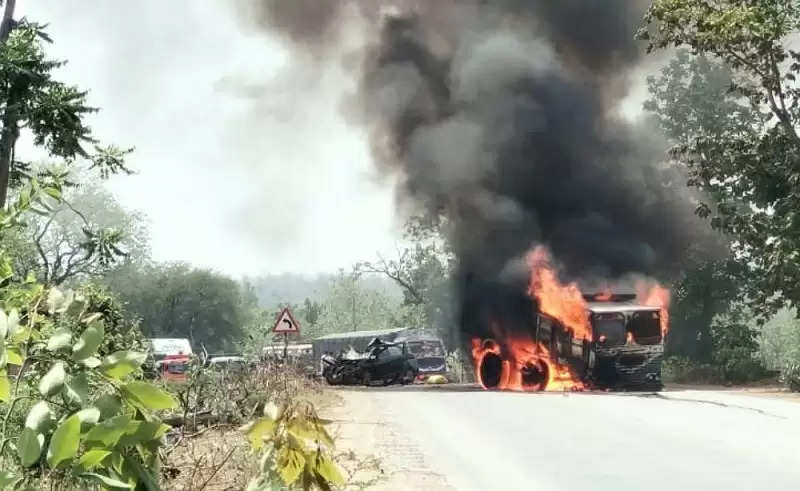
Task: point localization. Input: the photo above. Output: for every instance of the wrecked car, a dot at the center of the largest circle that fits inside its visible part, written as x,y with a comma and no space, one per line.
382,363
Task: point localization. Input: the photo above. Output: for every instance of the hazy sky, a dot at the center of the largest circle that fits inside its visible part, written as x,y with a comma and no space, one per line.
242,167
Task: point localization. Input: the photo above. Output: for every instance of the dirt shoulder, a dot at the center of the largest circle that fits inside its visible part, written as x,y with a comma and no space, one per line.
377,453
767,391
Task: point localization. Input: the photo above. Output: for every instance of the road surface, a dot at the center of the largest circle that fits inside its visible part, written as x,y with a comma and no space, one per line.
441,438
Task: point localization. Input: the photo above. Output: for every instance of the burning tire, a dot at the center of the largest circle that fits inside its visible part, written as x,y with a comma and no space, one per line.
535,375
491,370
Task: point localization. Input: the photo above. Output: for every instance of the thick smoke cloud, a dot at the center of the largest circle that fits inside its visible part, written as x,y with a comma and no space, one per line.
501,116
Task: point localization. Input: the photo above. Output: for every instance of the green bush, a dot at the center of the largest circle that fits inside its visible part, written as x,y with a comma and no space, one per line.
736,347
682,370
790,376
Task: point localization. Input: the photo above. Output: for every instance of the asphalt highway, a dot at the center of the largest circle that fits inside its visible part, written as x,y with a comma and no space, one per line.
687,440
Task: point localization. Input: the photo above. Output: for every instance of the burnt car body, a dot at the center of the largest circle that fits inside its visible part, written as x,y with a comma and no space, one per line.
383,363
428,350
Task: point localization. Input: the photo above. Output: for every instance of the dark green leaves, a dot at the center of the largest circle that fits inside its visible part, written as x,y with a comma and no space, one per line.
76,390
29,447
60,339
89,341
148,396
107,481
122,363
53,380
65,441
109,432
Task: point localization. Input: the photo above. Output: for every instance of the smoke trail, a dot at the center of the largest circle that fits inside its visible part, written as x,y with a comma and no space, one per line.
501,116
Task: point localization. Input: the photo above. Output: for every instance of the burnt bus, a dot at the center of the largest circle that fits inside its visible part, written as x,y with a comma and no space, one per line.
626,351
628,345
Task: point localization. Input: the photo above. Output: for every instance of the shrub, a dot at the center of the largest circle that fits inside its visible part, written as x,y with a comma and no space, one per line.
736,347
295,449
87,417
682,370
790,376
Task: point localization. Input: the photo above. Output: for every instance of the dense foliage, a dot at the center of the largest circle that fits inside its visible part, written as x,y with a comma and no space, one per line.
740,144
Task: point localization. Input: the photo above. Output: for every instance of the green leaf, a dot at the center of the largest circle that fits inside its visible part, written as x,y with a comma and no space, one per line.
148,396
14,357
92,459
53,192
8,480
3,356
290,464
142,431
89,341
109,405
13,321
5,386
65,441
76,390
60,339
29,447
146,478
53,380
107,481
3,325
109,432
328,469
88,417
40,417
257,430
122,363
303,429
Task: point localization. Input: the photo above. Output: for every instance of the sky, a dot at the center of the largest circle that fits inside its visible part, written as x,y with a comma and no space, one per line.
244,164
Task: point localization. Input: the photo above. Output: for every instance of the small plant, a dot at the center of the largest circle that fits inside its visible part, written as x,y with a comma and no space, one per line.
295,449
88,418
790,376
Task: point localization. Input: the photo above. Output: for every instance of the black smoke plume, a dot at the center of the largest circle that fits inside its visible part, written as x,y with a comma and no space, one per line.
502,116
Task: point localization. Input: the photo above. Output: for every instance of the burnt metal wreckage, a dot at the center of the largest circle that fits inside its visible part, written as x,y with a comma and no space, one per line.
625,353
382,363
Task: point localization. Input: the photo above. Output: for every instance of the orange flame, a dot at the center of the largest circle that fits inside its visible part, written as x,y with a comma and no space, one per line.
525,366
564,302
655,295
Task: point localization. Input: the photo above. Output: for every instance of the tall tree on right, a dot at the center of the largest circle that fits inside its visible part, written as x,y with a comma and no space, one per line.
748,160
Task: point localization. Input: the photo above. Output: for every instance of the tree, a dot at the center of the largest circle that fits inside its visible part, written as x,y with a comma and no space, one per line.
63,238
349,306
747,156
422,270
175,300
690,97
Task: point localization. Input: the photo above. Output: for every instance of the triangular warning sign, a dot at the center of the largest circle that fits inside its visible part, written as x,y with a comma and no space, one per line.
286,323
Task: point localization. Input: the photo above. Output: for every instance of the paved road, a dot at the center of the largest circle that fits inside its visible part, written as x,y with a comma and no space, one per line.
689,440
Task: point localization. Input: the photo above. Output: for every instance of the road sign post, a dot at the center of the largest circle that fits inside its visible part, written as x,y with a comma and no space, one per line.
285,324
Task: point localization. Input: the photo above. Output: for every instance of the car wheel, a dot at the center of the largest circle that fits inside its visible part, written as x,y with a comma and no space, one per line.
366,379
409,377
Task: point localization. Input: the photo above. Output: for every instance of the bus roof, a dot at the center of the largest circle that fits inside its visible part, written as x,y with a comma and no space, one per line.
360,334
611,307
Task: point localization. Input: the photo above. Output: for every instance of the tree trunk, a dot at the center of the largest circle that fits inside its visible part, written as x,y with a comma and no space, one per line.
10,130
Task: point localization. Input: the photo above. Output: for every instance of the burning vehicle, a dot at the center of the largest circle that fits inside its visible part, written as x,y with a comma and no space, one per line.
574,341
629,345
